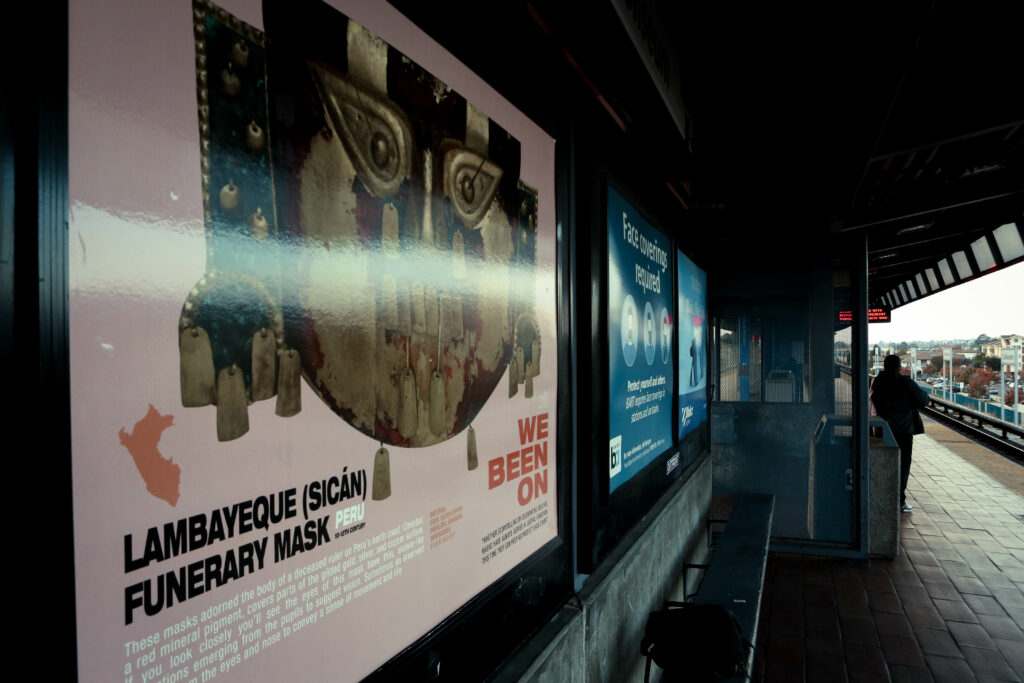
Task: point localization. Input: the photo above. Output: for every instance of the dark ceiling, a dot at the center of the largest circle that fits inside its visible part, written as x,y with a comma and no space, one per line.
901,121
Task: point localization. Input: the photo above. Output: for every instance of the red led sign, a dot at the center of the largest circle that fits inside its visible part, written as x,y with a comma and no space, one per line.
876,314
879,314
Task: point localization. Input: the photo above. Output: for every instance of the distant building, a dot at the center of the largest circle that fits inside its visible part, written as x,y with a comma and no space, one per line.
992,348
960,354
1008,341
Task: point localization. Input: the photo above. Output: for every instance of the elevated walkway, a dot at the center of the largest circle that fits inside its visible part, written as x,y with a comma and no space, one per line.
950,607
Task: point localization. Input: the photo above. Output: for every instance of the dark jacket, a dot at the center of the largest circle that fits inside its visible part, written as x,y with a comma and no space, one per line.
898,402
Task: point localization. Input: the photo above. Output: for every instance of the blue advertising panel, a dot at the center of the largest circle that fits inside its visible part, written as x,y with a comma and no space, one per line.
693,337
640,322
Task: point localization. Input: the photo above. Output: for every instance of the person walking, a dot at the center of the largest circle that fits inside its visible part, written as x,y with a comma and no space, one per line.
898,400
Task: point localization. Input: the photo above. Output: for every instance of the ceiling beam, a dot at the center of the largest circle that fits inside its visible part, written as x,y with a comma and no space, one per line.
920,212
1011,128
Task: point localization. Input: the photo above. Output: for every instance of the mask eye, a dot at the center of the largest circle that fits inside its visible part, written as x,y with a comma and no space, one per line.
375,133
470,181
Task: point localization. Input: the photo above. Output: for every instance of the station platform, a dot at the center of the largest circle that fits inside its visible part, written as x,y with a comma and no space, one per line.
949,607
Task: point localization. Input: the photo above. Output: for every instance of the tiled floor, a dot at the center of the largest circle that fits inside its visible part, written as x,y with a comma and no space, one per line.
950,607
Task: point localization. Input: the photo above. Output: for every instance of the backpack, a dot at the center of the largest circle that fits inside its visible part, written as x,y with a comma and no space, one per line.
700,642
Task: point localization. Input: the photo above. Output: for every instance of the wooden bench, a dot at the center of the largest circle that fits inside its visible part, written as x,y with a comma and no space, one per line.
734,576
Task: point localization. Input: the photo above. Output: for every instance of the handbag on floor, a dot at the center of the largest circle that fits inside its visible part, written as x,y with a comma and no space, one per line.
694,643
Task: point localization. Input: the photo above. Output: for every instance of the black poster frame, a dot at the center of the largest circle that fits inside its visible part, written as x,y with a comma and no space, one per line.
606,516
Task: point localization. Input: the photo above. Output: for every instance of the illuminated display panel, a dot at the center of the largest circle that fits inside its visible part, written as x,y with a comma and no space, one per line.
876,314
640,336
879,314
693,345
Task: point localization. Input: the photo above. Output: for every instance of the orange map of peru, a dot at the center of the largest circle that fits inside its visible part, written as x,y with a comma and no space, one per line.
161,475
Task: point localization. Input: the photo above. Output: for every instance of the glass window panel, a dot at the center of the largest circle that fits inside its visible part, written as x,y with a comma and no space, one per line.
752,374
714,362
842,351
1008,241
785,361
983,254
763,359
945,272
920,284
910,289
932,280
963,268
728,360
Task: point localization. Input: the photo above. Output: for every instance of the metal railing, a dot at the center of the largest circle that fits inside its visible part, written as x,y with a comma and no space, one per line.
996,414
1008,437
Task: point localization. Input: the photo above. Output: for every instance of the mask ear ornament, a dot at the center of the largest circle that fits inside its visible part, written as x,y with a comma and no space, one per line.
289,395
402,307
389,232
408,409
444,300
457,329
513,377
232,404
438,410
431,319
458,256
437,403
264,364
198,387
472,461
381,474
419,309
388,303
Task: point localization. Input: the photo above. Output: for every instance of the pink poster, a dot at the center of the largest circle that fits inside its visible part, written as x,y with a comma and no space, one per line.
313,353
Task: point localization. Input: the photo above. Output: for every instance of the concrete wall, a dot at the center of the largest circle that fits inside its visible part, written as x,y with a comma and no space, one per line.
596,638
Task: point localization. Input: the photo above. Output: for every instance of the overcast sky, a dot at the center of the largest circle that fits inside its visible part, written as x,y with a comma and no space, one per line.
992,305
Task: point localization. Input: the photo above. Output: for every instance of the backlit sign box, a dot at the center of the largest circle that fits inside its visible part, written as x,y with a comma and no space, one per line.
641,327
327,425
